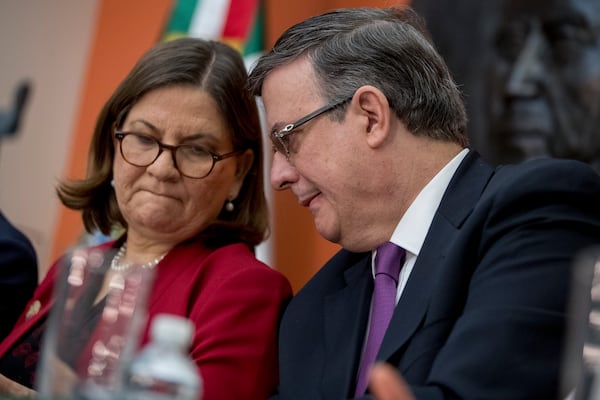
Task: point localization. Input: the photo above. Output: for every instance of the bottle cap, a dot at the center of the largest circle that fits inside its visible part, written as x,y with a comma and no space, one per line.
169,328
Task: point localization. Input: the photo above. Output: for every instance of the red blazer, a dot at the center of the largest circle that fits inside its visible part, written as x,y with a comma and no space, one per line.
234,300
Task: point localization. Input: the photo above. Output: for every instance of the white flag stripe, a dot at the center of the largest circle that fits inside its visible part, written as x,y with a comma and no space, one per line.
209,19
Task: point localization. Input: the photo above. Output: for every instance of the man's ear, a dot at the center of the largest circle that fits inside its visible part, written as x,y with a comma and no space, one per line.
373,104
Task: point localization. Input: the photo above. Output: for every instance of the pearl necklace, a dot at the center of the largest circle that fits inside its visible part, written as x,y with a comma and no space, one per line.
116,265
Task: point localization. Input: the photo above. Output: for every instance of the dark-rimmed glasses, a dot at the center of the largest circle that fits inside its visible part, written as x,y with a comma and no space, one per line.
281,139
190,160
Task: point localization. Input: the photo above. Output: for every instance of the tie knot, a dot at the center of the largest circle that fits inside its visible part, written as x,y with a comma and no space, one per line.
388,260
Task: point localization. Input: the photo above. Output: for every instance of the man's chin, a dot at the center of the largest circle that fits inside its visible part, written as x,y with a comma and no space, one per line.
326,231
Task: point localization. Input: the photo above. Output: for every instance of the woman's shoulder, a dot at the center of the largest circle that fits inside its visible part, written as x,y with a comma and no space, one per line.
230,253
228,259
231,265
241,258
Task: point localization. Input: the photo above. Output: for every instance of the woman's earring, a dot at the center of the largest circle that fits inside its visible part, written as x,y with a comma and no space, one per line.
229,206
112,183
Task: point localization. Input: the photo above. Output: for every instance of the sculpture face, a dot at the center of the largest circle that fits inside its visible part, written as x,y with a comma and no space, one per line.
546,81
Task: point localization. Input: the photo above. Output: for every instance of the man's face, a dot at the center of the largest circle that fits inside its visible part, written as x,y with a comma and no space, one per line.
546,80
328,168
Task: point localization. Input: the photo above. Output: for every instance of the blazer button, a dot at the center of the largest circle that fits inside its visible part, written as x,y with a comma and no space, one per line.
34,308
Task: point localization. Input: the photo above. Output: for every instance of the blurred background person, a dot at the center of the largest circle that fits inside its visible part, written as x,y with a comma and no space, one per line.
18,259
18,273
175,164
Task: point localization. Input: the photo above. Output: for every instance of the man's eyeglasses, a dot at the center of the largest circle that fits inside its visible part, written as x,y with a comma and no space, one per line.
190,160
281,139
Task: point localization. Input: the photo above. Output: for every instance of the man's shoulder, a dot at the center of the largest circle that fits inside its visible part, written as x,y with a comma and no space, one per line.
340,269
548,166
550,173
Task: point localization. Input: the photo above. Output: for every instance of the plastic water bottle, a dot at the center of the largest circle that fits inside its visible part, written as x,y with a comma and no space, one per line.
163,370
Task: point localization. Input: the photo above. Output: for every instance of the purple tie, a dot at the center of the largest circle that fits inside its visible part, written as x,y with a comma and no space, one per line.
388,260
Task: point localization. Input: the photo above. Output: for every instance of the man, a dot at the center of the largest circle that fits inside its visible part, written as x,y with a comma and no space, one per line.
369,132
546,81
18,274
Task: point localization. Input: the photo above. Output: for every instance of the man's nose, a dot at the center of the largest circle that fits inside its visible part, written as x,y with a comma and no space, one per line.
527,70
283,172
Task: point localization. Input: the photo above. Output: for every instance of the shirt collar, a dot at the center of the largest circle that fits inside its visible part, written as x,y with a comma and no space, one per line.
412,229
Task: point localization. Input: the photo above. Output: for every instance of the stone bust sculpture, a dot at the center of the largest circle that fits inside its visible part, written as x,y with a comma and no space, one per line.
545,81
530,72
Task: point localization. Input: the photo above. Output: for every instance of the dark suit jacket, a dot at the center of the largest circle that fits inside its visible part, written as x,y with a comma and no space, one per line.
483,313
18,274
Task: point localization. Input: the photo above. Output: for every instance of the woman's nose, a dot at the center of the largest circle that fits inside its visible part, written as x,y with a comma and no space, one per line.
164,165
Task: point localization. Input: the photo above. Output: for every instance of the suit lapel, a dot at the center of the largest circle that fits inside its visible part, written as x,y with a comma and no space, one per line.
345,316
462,194
413,303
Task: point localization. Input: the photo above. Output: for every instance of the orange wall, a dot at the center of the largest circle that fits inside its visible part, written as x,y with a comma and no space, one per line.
124,30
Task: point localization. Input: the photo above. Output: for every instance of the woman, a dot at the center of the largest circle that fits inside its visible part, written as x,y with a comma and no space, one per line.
176,162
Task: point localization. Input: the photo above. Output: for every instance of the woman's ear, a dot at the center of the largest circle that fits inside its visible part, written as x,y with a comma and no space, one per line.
373,104
244,163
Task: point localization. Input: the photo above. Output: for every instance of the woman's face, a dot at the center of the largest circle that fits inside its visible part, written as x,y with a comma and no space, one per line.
159,203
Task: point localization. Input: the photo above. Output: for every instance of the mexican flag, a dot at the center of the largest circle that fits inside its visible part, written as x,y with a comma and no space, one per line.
235,22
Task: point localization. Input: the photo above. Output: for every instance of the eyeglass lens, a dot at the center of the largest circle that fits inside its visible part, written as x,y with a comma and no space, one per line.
280,139
142,150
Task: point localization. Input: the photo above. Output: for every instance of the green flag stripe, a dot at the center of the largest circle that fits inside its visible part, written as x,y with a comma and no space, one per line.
255,41
181,16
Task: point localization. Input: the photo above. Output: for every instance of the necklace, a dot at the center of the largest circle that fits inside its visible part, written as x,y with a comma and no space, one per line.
116,265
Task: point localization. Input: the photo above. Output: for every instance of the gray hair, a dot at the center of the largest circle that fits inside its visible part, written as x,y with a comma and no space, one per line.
386,48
